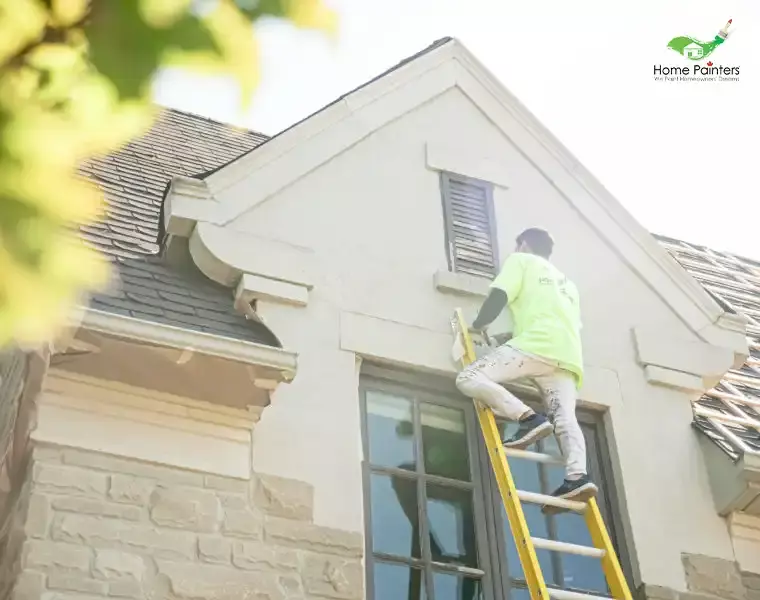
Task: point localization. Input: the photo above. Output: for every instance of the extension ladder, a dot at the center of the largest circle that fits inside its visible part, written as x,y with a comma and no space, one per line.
513,498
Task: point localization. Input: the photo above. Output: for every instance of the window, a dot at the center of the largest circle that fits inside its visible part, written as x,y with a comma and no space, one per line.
470,225
436,526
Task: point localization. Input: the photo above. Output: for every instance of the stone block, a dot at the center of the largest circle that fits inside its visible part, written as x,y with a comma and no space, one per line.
307,536
207,582
287,498
656,592
185,508
112,464
87,506
215,550
46,453
43,556
130,489
226,484
95,532
235,501
70,480
29,585
751,581
242,523
713,576
38,516
115,565
74,583
333,577
126,589
256,556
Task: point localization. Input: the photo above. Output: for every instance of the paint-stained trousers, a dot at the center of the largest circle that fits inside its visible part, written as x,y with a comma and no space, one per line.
481,380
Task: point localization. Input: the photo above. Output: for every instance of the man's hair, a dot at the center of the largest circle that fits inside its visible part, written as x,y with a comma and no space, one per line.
538,240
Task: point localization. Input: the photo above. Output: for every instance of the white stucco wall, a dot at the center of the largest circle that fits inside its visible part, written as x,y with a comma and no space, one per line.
373,218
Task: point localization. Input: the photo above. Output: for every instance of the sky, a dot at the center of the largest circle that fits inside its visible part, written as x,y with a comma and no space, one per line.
681,157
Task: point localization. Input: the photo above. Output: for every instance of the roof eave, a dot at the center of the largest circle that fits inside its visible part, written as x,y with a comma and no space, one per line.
284,362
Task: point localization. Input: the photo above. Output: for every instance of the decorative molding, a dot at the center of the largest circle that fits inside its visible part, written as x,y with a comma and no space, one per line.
444,156
674,379
461,284
188,200
254,287
223,255
84,412
656,348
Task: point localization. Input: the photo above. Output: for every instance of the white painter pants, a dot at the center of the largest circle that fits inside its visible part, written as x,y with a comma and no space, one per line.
481,381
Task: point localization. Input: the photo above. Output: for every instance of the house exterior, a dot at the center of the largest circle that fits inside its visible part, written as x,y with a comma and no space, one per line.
263,404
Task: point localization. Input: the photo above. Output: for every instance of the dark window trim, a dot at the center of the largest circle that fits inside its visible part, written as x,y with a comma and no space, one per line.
481,509
489,533
446,177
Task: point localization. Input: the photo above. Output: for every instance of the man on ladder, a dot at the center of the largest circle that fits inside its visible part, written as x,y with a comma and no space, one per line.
545,347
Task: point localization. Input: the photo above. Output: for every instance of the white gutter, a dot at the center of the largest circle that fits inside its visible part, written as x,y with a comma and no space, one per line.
187,339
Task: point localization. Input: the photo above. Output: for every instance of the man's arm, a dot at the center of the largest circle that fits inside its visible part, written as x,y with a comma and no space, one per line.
505,288
491,309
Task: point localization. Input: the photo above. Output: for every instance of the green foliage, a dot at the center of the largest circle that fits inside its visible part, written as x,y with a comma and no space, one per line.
75,80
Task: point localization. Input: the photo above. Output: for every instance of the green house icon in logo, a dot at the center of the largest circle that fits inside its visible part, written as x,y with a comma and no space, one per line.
694,49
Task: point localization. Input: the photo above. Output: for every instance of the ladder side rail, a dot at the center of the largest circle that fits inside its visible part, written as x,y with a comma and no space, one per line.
515,515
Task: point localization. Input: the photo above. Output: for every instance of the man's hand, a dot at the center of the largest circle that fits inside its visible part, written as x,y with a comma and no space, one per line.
502,338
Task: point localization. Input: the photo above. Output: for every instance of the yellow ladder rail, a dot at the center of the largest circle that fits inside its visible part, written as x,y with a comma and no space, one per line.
513,498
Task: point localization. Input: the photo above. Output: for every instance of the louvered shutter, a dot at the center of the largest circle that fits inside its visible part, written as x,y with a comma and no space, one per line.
470,225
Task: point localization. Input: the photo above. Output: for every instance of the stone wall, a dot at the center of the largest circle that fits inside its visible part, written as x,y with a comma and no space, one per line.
101,527
708,578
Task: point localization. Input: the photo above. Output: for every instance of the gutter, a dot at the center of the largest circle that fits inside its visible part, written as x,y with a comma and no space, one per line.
139,330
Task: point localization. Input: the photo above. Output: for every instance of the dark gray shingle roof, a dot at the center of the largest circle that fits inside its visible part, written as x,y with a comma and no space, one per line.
729,414
133,180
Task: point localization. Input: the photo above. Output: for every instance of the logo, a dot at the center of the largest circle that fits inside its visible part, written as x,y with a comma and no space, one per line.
694,50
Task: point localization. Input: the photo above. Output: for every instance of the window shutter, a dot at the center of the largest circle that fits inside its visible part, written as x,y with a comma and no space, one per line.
470,225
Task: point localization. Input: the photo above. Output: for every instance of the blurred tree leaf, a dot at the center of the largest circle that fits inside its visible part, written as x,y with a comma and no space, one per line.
75,79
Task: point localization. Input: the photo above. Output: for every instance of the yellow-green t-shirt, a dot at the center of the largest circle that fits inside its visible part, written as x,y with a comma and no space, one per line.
545,309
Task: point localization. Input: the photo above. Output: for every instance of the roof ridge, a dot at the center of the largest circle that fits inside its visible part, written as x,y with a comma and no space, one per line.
170,109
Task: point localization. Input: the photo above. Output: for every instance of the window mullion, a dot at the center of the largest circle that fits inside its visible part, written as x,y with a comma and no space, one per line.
422,501
489,544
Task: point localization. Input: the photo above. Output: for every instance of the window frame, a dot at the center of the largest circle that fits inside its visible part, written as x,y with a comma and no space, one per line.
445,184
483,540
487,506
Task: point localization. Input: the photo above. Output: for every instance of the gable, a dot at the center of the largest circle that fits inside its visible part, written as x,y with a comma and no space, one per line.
448,71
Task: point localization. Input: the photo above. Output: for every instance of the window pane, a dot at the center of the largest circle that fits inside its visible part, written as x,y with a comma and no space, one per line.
444,442
391,433
395,524
518,593
454,587
555,474
580,572
398,582
537,527
451,525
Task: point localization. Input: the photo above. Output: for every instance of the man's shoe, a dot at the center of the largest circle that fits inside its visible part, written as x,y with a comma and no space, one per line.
580,489
533,428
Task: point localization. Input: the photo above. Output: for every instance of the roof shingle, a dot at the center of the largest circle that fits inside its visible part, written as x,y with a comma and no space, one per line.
729,414
133,180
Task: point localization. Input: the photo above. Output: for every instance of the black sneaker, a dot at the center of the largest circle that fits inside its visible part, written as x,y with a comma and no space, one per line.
533,428
577,489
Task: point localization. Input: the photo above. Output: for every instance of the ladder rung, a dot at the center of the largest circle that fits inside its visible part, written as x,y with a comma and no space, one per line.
556,546
548,459
543,499
568,595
